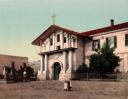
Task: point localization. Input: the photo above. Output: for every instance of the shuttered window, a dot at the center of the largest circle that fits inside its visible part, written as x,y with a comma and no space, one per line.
51,41
95,45
64,39
58,38
126,39
112,41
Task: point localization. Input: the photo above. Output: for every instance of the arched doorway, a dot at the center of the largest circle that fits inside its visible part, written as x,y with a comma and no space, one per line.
57,69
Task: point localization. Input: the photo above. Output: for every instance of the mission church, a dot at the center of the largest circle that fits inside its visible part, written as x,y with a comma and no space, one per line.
63,50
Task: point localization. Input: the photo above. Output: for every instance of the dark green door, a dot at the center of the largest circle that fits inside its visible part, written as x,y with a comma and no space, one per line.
56,71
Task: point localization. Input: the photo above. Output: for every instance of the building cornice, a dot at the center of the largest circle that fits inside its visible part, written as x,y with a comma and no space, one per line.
57,51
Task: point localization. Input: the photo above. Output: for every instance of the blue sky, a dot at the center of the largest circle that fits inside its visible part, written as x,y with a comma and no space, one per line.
21,21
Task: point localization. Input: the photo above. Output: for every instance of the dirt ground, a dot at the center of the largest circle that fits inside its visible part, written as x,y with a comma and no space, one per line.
54,90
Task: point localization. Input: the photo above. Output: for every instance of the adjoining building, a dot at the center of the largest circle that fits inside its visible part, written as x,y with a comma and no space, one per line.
63,50
9,60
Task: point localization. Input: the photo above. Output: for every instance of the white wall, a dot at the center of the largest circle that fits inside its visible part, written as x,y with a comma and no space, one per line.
45,47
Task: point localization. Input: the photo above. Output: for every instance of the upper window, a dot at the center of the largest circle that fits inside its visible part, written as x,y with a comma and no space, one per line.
64,39
126,39
58,38
96,45
73,39
51,41
112,41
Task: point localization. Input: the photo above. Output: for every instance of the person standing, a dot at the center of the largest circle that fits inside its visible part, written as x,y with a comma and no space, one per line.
69,84
66,86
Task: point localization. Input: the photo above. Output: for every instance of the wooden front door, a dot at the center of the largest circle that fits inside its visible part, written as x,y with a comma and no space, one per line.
57,69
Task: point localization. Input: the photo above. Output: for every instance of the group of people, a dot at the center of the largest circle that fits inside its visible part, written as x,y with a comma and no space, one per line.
67,85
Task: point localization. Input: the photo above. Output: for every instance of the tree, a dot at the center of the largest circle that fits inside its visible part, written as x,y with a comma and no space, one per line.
82,69
104,60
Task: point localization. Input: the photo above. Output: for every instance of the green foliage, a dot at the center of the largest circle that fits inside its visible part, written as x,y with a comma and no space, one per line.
82,69
104,60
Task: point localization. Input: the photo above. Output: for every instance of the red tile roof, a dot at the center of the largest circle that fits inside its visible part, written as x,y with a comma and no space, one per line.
53,28
106,29
49,31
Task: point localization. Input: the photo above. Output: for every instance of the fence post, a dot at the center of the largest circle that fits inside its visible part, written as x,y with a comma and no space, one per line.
117,76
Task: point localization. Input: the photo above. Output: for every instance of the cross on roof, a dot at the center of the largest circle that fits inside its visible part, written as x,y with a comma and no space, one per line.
53,18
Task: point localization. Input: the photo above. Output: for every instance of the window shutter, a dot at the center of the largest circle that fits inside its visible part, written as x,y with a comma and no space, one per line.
98,44
126,39
106,40
115,41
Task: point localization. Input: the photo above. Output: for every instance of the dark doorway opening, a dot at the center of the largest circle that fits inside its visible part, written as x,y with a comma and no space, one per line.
57,69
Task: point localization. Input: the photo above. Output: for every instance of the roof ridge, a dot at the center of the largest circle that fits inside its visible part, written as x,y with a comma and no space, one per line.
64,28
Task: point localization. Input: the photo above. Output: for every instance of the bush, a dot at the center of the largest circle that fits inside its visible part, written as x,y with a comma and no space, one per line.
82,69
81,72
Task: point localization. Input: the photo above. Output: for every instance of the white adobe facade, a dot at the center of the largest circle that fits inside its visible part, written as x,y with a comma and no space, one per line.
63,50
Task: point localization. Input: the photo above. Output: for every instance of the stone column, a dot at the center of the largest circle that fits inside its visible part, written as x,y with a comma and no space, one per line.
62,40
46,62
42,63
69,41
45,72
53,41
70,58
64,61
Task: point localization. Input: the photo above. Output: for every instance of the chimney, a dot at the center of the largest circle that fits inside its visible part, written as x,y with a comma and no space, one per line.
112,22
